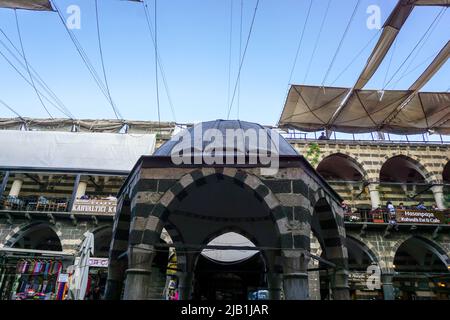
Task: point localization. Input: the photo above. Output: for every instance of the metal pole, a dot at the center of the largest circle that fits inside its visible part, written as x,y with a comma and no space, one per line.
74,192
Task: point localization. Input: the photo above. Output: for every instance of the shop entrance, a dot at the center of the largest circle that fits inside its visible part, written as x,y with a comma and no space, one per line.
230,274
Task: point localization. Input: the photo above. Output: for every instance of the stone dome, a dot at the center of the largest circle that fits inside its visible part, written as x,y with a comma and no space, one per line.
255,138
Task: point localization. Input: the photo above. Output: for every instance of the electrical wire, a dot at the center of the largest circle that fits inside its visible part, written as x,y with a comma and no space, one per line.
240,58
420,48
300,41
29,82
243,58
415,47
356,57
61,107
83,55
390,61
11,109
229,52
26,63
156,68
341,42
115,109
160,63
317,41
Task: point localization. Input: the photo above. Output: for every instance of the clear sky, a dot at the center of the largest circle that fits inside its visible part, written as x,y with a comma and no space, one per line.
194,37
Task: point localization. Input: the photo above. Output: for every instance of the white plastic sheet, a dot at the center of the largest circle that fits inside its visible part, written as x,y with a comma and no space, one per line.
73,150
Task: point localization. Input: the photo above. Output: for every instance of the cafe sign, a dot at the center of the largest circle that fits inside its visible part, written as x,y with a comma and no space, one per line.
98,262
106,207
420,217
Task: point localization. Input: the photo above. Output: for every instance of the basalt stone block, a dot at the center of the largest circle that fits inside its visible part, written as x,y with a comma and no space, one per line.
279,186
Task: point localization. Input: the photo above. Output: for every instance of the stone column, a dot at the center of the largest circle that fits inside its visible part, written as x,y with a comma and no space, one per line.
374,195
81,189
295,275
388,287
275,282
15,188
185,285
115,280
138,274
339,285
438,192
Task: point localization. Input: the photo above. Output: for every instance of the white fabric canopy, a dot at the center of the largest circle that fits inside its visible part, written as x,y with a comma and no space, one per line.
73,150
39,5
310,108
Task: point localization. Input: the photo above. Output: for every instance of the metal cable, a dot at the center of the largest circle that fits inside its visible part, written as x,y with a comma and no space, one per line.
243,58
114,107
26,63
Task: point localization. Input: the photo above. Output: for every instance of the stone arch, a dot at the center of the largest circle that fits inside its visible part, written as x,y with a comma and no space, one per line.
328,218
371,249
177,192
20,231
352,158
415,161
439,249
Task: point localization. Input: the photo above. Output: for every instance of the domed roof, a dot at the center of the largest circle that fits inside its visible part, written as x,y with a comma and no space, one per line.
235,137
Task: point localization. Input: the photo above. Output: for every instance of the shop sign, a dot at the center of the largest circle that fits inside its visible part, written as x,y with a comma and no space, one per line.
105,207
98,262
420,216
360,280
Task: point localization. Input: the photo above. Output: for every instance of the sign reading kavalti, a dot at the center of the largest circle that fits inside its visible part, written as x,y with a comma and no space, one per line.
106,207
420,216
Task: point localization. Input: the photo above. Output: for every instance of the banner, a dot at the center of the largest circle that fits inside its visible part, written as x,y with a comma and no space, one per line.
421,216
105,207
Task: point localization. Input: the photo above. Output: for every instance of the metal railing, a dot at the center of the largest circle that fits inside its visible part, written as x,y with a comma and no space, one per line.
355,138
34,203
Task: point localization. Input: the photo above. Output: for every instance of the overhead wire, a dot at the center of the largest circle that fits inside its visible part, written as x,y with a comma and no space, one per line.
83,56
297,52
243,58
230,52
240,57
108,91
300,41
390,61
405,72
29,82
26,63
11,109
160,62
347,28
414,69
317,41
415,47
352,61
156,66
61,106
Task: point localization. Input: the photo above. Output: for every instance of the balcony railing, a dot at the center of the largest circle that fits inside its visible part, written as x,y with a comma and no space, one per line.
401,216
34,203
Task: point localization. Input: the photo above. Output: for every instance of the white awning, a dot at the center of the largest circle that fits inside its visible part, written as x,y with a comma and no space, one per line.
310,108
73,151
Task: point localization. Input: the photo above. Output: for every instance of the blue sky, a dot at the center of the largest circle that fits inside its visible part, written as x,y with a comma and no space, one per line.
193,37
